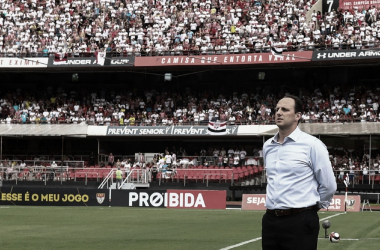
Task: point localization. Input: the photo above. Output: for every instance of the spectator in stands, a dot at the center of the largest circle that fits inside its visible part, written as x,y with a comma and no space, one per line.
364,168
243,154
22,165
342,168
154,171
111,160
168,160
118,163
202,155
141,158
236,160
225,161
215,155
128,166
92,159
123,163
220,160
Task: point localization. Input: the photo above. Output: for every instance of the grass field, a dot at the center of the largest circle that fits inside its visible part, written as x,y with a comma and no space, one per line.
26,227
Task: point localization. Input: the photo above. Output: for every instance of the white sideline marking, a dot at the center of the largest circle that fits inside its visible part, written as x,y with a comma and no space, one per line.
328,217
340,239
240,244
253,240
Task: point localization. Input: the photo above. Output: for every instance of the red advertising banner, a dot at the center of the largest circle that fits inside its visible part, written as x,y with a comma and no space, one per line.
350,4
194,199
337,203
253,202
257,202
233,59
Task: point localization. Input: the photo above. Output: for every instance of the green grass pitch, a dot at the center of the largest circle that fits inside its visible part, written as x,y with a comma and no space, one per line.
27,227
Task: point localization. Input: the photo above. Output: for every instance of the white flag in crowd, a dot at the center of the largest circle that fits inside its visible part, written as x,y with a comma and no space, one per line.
100,58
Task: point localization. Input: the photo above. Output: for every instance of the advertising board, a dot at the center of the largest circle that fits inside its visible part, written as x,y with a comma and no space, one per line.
234,59
184,199
257,202
26,62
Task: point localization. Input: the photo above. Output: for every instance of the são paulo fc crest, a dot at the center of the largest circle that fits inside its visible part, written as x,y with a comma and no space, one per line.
350,202
100,197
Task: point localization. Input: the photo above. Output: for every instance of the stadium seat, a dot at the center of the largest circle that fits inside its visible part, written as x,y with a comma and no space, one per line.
261,169
377,179
181,174
71,176
192,176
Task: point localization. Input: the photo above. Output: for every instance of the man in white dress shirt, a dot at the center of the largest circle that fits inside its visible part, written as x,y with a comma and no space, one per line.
300,182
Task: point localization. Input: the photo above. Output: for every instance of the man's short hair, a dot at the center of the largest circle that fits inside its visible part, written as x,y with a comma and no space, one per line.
298,104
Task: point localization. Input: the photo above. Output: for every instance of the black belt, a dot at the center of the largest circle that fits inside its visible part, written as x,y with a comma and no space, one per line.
284,212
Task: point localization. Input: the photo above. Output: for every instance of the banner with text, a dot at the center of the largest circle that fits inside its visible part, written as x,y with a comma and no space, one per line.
253,202
189,199
360,5
165,131
328,55
257,202
233,59
27,62
63,61
337,203
53,196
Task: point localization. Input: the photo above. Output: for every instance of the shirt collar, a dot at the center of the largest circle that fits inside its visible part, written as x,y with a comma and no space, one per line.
294,135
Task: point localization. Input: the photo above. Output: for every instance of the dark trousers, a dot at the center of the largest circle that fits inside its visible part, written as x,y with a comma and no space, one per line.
118,183
154,174
291,232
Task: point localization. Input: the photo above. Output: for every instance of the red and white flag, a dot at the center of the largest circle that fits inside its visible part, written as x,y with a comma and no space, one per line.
60,58
217,128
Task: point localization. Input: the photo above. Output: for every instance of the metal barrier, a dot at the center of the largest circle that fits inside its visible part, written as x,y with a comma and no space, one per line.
47,163
104,158
205,175
144,176
56,158
357,177
249,50
135,176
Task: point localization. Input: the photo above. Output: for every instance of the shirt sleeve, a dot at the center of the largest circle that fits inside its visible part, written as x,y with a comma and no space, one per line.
323,173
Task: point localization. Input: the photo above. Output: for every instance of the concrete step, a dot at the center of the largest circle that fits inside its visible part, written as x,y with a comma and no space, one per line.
131,185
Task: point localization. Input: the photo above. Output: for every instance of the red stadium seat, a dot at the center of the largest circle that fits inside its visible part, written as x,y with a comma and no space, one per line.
377,179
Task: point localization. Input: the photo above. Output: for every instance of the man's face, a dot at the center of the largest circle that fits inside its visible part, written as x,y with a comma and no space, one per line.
285,114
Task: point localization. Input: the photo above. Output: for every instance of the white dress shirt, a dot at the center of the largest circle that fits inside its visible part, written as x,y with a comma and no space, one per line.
299,172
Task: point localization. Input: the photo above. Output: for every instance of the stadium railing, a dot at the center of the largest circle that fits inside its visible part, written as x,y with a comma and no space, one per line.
372,177
56,158
240,175
47,163
248,50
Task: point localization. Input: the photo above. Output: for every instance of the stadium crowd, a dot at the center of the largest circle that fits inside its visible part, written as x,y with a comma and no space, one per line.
165,108
151,27
358,167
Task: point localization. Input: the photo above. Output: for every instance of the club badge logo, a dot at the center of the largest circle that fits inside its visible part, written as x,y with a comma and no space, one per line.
100,197
350,202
